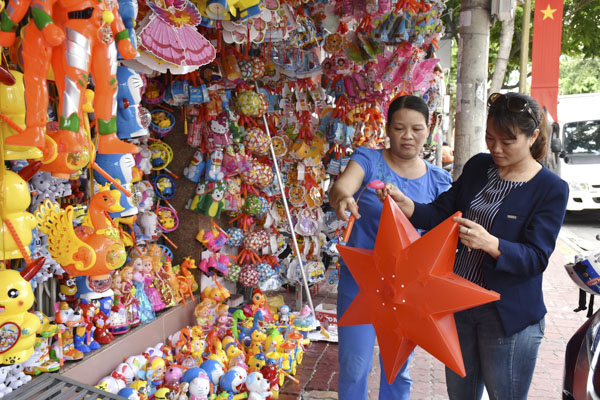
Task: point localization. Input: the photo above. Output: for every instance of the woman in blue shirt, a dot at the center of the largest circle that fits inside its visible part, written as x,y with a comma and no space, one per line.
513,209
407,129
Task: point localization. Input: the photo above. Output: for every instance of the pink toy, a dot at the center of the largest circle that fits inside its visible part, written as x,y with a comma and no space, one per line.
173,376
171,35
128,298
148,277
219,136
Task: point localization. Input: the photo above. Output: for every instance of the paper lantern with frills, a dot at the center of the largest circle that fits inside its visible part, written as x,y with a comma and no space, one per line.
236,235
257,141
251,104
255,241
233,273
248,276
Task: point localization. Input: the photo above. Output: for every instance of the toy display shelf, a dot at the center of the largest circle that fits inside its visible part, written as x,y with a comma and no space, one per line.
57,387
102,362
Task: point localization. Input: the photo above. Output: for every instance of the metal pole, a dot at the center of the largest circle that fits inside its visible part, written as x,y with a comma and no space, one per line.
525,46
288,214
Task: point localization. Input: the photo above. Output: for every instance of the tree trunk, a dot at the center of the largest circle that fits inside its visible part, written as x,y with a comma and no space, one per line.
471,93
506,37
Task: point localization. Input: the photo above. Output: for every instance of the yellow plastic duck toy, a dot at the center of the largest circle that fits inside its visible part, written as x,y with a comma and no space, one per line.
17,326
95,248
13,203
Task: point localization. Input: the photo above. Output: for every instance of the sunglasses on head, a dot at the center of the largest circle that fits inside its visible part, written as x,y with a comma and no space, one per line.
513,104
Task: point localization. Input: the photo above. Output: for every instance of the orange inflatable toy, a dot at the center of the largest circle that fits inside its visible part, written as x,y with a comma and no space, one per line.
79,37
41,35
95,248
91,27
411,293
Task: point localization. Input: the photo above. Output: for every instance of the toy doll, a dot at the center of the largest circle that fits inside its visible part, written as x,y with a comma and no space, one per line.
116,284
155,373
202,314
223,320
117,322
161,277
128,298
151,292
144,305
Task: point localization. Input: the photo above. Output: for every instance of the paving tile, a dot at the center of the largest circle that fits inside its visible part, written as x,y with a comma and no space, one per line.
284,396
320,395
319,382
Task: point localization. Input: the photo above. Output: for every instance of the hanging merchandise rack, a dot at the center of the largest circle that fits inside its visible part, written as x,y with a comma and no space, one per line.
289,217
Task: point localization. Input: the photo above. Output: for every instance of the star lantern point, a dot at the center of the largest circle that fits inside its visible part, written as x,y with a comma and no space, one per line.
409,292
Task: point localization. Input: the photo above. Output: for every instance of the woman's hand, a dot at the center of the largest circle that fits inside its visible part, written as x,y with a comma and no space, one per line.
391,190
406,204
346,203
474,236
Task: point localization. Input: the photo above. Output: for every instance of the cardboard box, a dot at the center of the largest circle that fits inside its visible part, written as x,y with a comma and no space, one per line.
326,314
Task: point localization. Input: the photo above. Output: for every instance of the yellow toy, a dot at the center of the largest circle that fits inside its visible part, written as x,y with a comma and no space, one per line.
234,354
17,326
256,362
12,122
197,348
142,387
257,343
274,341
215,348
40,360
13,203
185,278
93,249
218,293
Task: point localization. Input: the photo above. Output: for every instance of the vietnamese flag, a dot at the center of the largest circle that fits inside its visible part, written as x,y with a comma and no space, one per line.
545,53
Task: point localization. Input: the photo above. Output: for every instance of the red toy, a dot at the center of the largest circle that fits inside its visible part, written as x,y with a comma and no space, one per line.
416,305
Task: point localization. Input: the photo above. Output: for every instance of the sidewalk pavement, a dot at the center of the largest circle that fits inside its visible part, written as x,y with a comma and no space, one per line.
319,369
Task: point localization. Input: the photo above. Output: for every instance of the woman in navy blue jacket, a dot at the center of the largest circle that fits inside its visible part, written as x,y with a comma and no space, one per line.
513,209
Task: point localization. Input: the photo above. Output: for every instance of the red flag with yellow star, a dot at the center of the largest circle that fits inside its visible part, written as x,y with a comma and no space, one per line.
545,53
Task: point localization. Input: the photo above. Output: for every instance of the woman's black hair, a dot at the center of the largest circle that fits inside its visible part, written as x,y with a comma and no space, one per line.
512,123
407,101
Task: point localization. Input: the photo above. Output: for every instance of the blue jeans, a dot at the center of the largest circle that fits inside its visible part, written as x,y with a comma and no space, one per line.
504,364
355,355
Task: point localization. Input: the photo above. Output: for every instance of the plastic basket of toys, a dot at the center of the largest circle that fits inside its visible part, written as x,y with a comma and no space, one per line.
162,122
154,93
168,220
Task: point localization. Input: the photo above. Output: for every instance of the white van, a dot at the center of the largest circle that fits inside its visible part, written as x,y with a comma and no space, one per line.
575,144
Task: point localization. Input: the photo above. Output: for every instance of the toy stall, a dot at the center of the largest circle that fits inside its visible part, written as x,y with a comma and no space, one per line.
166,173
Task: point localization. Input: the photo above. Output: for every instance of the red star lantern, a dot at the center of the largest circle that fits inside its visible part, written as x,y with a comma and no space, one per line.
409,292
